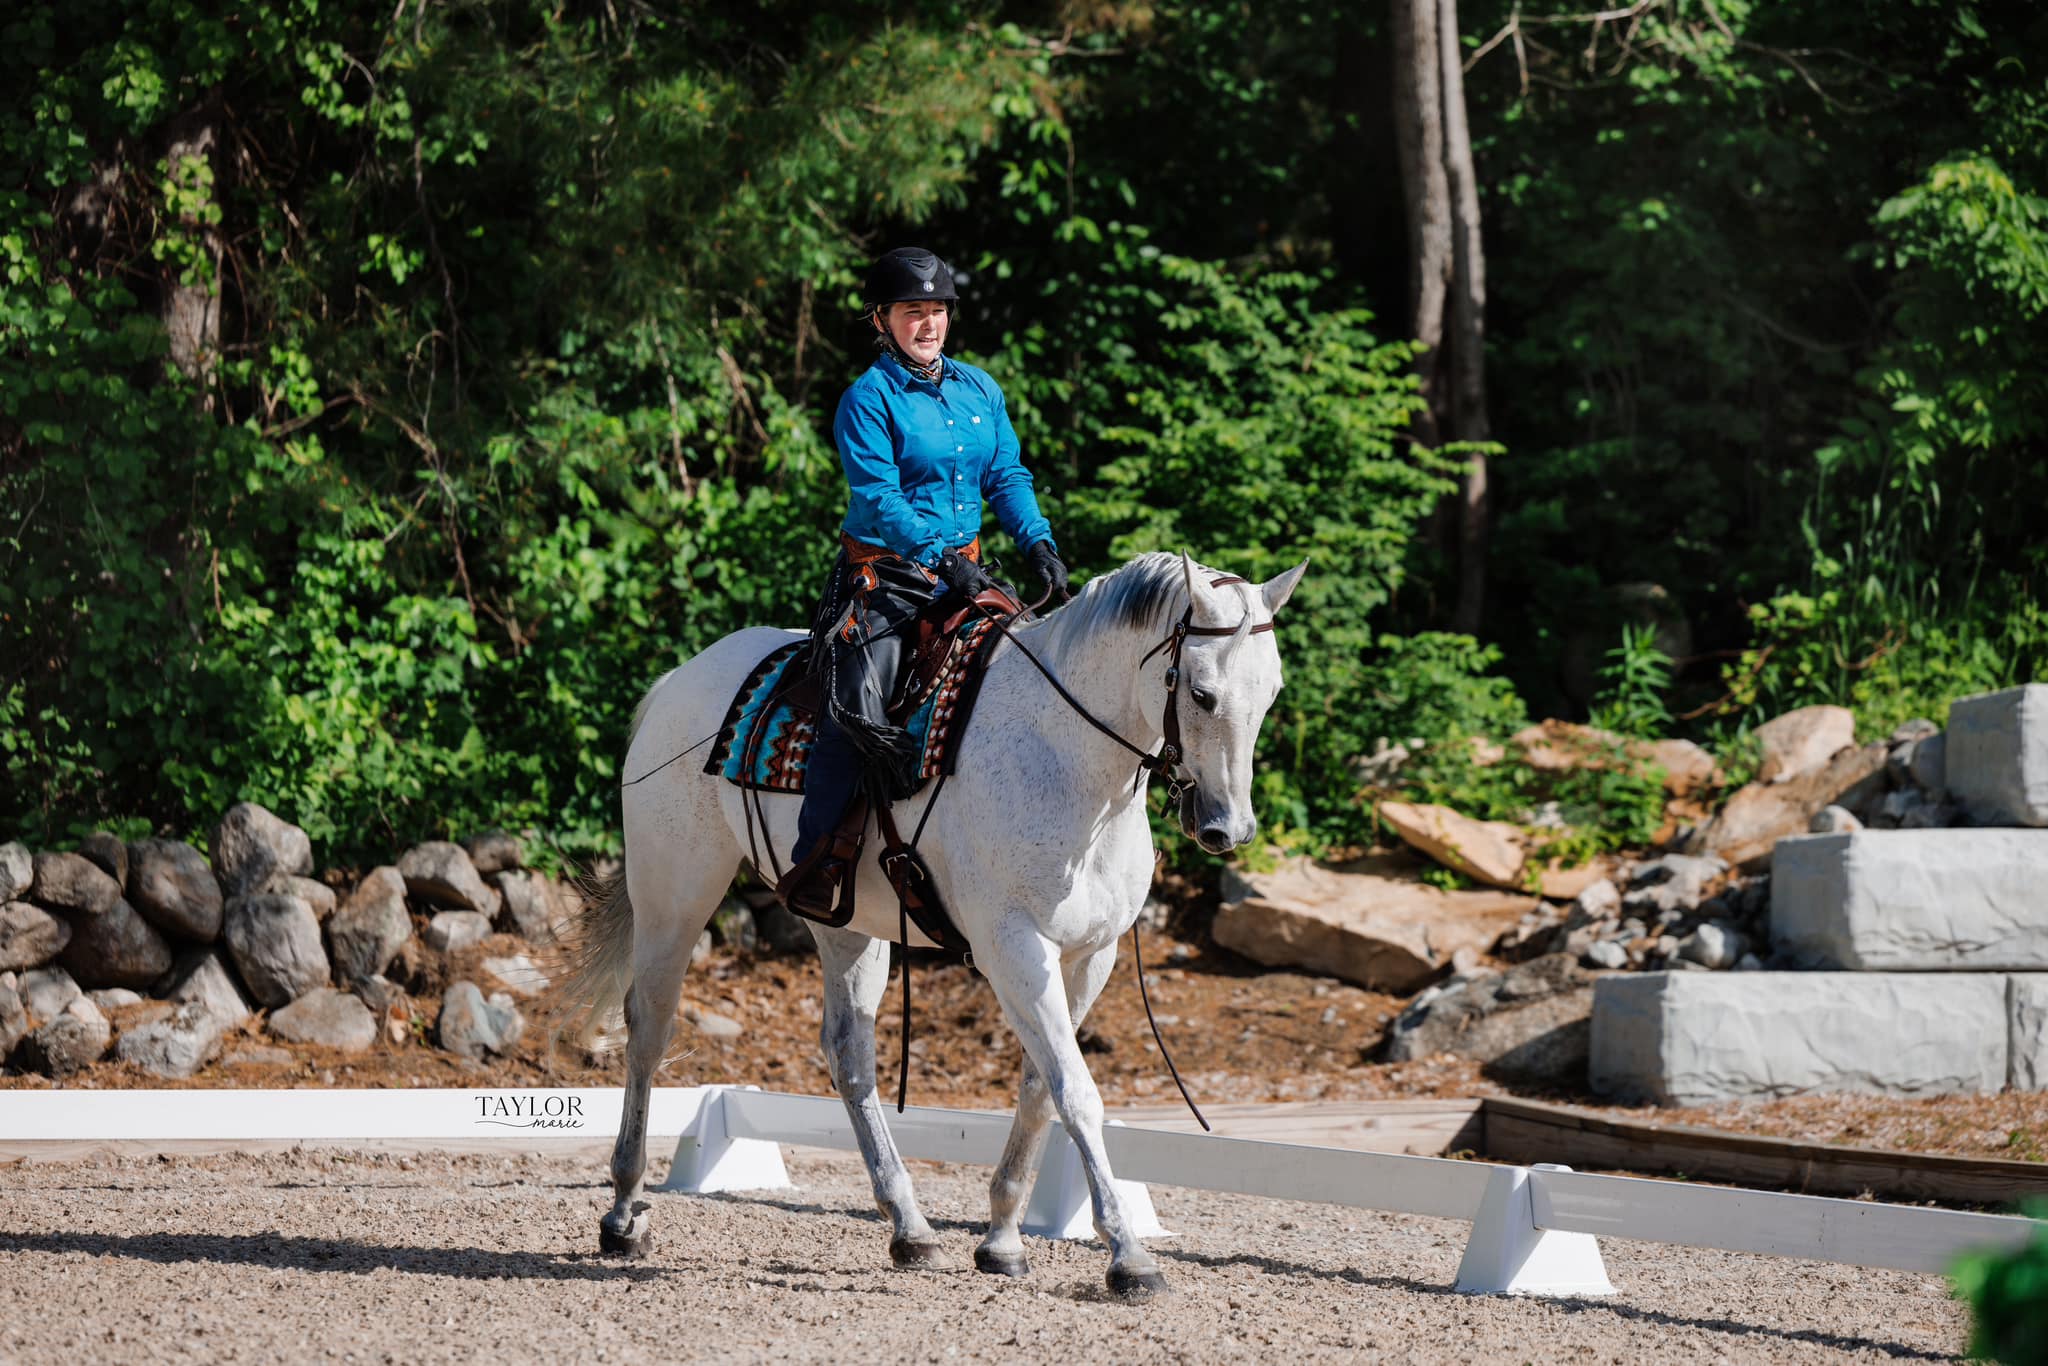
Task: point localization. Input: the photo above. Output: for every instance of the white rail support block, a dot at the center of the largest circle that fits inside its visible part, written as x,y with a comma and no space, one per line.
709,1158
1061,1206
1509,1255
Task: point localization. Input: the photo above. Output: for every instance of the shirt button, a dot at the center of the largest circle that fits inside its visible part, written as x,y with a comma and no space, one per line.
949,422
959,448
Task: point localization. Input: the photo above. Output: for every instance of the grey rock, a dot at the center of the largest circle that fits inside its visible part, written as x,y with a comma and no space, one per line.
315,894
1996,763
494,851
534,905
116,948
778,928
203,977
173,886
1529,1023
115,998
106,852
1675,882
701,950
30,936
1606,954
1833,820
1714,945
46,991
72,882
1600,900
1913,900
379,995
1919,728
2026,1027
369,929
275,943
518,973
712,1025
1694,1038
1749,962
453,931
176,1046
13,1014
475,1027
257,1055
17,871
330,1018
253,849
441,874
732,925
1802,741
74,1039
1927,763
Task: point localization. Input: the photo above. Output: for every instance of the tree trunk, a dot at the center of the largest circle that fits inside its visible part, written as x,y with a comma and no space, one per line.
1419,126
1467,329
191,292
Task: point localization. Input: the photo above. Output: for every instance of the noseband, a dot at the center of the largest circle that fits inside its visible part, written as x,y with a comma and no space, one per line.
1166,763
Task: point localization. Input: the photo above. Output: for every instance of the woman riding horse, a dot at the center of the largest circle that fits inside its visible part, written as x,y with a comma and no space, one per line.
924,439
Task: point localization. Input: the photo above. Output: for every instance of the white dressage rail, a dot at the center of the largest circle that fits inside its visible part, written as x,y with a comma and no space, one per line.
1533,1228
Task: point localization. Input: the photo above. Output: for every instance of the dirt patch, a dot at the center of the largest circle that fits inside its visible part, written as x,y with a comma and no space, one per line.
376,1257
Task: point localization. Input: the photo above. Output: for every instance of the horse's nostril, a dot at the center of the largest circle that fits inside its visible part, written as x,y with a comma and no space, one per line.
1215,838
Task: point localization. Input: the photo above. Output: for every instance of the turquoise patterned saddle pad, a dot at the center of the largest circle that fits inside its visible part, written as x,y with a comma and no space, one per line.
771,725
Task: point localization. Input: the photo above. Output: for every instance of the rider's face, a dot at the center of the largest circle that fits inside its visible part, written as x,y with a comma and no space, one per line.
918,328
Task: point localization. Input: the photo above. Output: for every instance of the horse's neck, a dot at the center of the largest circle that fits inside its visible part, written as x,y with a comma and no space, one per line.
1100,668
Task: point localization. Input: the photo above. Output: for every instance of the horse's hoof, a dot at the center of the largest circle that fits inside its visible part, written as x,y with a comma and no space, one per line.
1001,1263
633,1240
1135,1287
915,1253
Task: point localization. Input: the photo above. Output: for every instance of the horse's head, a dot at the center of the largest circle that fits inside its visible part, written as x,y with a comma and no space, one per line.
1229,674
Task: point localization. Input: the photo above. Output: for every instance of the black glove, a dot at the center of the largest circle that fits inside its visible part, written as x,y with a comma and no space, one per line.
1045,562
962,575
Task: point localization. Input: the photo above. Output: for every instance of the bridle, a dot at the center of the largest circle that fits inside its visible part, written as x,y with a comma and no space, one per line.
1166,763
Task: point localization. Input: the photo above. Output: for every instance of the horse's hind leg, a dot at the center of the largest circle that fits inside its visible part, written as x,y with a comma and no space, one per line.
1002,1251
673,896
856,973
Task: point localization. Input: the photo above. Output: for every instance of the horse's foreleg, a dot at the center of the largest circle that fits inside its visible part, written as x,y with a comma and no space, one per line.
671,906
1026,974
856,974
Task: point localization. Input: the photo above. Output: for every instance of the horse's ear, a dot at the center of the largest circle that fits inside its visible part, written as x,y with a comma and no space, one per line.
1280,587
1187,569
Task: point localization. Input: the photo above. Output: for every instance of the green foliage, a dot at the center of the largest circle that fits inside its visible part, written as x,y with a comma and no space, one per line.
1633,683
2008,1297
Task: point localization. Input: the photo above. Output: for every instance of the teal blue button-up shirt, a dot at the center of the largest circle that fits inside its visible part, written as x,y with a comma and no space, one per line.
920,457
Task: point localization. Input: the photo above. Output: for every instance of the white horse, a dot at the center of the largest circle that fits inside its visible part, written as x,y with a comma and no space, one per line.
1039,846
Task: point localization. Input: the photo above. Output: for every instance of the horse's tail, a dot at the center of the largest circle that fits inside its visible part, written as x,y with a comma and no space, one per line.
598,951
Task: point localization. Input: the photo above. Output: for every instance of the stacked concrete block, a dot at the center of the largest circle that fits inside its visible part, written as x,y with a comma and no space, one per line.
1925,950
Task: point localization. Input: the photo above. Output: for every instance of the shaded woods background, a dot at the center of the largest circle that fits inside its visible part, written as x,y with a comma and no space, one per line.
388,393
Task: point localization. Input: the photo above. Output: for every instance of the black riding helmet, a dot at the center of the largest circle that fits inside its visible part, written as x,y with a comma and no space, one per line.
908,273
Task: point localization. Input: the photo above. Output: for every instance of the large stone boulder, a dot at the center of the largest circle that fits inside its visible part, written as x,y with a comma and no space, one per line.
535,905
72,882
1561,746
1761,814
105,851
1913,900
17,871
203,977
173,887
1369,922
30,936
275,942
1667,887
253,849
315,894
330,1018
72,1040
453,931
1690,1038
13,1014
369,929
1802,741
440,874
519,974
1485,851
46,991
494,851
475,1027
1531,1023
1996,757
116,948
175,1046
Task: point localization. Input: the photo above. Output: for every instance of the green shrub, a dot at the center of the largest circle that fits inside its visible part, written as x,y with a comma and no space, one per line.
2008,1297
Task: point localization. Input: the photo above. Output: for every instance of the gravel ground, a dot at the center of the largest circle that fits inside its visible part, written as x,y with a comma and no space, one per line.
371,1257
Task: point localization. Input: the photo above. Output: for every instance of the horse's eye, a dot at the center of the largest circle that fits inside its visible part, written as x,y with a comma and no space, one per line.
1204,699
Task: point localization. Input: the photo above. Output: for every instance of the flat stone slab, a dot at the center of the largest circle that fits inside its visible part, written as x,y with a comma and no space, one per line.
1689,1038
1913,900
1996,755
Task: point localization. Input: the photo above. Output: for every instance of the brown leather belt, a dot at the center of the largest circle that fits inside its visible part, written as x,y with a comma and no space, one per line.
860,552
